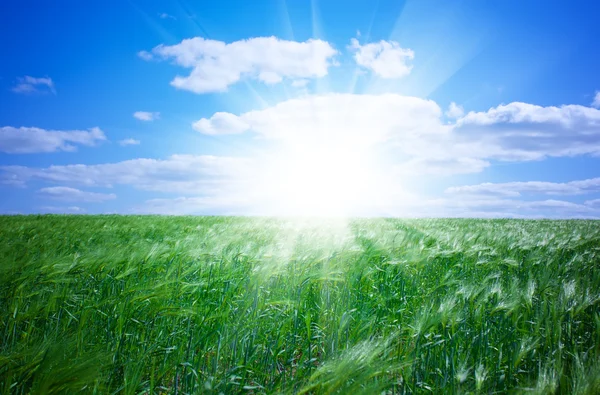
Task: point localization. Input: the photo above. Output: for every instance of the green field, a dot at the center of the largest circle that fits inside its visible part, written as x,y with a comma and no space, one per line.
145,305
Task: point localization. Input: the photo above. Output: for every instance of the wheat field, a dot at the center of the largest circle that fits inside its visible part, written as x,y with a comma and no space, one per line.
227,305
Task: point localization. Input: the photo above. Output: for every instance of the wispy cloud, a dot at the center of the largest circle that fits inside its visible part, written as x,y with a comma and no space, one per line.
62,210
216,65
26,140
28,84
164,15
184,173
129,141
514,189
385,58
146,116
74,195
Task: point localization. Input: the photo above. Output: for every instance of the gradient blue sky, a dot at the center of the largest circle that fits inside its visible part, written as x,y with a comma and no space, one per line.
461,108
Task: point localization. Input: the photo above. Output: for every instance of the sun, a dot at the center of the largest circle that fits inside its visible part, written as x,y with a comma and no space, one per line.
320,179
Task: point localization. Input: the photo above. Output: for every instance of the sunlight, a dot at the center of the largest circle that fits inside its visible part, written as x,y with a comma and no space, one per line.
321,180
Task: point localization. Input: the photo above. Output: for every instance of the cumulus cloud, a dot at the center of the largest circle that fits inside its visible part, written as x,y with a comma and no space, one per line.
30,84
146,116
25,140
455,111
596,101
221,123
409,136
414,128
532,187
384,58
129,141
216,65
522,131
335,117
74,195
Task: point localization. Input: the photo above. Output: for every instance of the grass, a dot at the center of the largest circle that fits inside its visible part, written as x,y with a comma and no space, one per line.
146,305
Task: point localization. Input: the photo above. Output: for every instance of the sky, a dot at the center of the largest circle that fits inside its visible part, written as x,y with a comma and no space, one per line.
414,108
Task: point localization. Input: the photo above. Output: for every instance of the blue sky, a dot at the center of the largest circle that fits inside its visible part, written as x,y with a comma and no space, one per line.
316,107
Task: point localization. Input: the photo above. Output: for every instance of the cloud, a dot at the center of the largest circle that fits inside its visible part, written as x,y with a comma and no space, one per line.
522,131
455,111
129,142
593,203
409,207
216,65
596,101
335,117
492,207
413,127
442,167
221,123
29,84
146,116
408,137
62,210
515,189
26,140
384,58
164,15
74,195
194,206
178,173
145,55
301,83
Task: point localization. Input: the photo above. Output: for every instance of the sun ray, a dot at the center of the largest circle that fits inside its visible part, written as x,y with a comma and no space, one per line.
367,37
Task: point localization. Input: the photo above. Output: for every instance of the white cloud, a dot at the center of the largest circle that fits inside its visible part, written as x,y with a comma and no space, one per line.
216,65
74,195
521,132
26,140
336,117
455,111
178,173
407,136
442,167
301,83
514,189
384,58
221,123
146,116
596,101
129,141
29,84
413,127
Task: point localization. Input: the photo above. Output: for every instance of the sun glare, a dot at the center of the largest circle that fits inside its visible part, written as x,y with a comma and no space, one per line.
321,180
